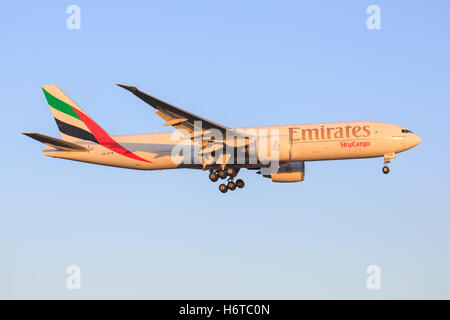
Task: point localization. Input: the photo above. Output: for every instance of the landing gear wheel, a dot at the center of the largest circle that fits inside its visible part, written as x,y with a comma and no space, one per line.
240,183
223,188
231,172
213,176
385,169
222,174
231,185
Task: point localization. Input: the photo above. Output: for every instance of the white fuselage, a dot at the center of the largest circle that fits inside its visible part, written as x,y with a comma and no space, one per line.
298,142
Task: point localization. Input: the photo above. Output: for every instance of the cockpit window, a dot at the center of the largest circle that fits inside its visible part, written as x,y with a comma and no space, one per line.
406,131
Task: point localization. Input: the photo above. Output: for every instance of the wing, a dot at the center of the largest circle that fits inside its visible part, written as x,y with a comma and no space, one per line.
174,116
181,119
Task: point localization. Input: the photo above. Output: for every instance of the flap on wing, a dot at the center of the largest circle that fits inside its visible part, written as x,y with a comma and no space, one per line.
54,142
175,121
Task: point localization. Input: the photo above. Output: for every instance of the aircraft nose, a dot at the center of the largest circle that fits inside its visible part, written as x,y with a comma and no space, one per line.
415,140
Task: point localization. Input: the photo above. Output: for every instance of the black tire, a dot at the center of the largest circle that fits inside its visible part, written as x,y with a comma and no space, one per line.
231,185
240,183
231,171
213,176
222,174
385,169
223,188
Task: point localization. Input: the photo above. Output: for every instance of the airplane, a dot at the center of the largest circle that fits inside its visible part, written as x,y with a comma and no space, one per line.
276,152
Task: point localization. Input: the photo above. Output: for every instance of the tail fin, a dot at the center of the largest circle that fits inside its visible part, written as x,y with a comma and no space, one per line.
73,122
75,125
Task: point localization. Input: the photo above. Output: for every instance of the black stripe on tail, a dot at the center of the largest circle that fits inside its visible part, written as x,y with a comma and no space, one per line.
75,132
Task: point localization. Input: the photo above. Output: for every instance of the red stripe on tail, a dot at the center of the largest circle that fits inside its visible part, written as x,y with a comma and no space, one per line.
105,139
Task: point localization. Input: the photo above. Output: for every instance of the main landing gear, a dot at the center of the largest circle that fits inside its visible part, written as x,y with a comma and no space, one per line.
213,176
231,185
387,159
229,172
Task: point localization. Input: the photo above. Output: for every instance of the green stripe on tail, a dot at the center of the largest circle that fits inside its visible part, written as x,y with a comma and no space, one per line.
60,105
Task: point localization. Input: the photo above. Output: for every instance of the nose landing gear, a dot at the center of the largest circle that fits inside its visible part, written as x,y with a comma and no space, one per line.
387,159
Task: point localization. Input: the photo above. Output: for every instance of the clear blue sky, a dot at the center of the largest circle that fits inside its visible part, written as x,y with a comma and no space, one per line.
172,234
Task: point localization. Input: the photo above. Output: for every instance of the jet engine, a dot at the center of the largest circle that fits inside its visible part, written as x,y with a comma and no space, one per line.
291,172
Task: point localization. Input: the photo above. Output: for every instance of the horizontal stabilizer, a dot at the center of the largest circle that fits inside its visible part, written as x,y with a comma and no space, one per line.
55,143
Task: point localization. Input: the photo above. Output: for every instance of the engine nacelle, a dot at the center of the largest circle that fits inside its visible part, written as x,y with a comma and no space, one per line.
291,172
